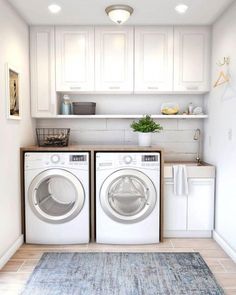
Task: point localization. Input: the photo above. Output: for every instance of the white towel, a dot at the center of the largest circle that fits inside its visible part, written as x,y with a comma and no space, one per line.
180,180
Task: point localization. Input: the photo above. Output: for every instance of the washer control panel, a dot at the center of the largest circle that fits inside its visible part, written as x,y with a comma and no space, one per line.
34,160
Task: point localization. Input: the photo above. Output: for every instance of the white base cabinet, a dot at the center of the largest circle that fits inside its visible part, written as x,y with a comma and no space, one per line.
191,215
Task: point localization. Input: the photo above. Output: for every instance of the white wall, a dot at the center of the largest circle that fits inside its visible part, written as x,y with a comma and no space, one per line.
220,148
176,139
14,49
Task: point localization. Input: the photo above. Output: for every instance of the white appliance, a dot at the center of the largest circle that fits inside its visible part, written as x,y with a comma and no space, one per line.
57,197
128,197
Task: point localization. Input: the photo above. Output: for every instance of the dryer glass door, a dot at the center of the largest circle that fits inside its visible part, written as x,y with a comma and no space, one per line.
56,196
128,196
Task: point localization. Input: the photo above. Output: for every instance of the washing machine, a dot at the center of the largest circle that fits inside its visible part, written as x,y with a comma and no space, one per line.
128,197
57,197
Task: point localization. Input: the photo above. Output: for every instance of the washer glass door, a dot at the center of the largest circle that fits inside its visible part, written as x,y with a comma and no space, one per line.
56,196
128,196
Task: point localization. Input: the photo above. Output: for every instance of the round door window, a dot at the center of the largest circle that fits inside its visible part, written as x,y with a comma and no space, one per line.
128,196
56,196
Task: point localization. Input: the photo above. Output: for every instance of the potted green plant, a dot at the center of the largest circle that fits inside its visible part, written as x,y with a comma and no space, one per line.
145,127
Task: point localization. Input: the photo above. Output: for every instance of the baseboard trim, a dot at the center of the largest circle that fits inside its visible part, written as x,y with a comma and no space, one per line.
226,247
187,234
11,251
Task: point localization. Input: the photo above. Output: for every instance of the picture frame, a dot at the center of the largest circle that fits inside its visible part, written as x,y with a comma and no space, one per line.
14,103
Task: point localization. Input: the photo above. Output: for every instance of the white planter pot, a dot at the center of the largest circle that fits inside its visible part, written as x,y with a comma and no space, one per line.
144,139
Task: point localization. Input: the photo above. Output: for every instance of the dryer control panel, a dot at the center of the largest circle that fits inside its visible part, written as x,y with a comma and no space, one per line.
112,160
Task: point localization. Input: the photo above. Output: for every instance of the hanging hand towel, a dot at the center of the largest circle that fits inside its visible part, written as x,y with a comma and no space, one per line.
180,180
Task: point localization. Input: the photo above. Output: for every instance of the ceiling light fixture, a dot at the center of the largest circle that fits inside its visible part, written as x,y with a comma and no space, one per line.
119,13
54,8
181,8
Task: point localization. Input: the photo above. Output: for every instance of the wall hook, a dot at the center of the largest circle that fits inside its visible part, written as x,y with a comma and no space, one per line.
226,61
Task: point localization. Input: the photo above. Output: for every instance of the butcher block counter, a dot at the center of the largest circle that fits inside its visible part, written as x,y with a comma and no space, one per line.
91,148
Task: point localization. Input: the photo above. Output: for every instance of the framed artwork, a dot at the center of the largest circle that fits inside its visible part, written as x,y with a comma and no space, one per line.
13,93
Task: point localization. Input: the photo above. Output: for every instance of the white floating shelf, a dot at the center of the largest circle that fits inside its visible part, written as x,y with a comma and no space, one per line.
130,116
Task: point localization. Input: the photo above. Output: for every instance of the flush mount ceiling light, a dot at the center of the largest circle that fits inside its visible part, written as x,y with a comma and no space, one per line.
181,8
54,8
119,13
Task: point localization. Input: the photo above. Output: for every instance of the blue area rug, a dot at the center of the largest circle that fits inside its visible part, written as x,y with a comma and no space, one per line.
122,274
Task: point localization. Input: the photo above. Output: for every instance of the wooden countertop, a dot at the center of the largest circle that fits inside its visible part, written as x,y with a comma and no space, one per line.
35,148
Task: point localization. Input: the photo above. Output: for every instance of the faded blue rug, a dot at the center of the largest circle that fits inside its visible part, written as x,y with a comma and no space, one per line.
122,274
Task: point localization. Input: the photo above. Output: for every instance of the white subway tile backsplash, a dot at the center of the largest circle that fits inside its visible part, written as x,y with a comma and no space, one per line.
176,147
74,124
190,124
168,124
97,137
118,124
176,139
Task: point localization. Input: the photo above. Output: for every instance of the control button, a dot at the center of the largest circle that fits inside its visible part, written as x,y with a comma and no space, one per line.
127,159
55,159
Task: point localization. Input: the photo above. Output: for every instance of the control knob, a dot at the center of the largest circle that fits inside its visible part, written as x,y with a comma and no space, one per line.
55,159
128,159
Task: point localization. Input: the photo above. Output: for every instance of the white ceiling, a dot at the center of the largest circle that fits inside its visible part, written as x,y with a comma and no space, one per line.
145,11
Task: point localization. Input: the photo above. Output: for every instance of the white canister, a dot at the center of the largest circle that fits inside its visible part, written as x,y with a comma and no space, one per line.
144,139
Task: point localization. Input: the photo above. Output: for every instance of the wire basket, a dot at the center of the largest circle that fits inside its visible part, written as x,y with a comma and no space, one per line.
55,137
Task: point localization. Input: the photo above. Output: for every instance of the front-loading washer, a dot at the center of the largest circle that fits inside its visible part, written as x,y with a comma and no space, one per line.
57,197
128,197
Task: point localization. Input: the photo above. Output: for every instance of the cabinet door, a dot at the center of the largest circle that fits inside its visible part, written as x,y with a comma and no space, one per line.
153,59
175,209
201,204
42,62
75,59
192,59
114,59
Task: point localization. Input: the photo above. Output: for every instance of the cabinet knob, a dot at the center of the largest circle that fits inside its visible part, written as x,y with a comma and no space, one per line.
114,87
192,87
75,87
153,87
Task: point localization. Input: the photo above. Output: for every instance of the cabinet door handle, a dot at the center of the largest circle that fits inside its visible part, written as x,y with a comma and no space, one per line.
114,87
75,87
192,87
153,87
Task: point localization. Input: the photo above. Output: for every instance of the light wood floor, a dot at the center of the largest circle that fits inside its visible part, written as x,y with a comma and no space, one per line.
16,272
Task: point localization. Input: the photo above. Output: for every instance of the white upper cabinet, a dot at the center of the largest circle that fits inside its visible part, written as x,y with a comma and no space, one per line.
114,59
75,59
42,61
191,59
153,59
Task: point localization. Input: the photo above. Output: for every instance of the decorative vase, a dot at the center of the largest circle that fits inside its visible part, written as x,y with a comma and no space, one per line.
144,138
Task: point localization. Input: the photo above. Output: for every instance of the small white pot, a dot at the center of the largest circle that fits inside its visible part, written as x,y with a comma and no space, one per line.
144,139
